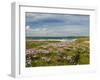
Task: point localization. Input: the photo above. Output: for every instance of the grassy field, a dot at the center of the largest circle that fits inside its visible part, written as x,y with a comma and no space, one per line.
56,53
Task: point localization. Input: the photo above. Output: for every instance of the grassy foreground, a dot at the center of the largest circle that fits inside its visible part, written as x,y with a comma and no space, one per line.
54,53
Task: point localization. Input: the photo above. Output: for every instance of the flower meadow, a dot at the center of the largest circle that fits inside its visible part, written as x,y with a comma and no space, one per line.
57,53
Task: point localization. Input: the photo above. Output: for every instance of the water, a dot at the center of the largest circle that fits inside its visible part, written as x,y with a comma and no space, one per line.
52,38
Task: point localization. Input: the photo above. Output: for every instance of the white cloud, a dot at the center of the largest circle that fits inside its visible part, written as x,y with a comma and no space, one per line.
58,31
44,29
27,27
35,29
39,29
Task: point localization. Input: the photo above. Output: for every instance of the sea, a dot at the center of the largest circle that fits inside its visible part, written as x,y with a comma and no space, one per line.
52,38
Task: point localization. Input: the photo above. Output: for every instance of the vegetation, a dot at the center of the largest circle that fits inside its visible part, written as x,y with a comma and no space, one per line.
54,53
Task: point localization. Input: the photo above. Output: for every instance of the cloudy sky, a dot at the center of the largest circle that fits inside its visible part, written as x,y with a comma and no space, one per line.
42,24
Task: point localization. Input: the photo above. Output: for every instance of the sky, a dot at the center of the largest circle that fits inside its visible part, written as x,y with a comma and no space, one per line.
56,25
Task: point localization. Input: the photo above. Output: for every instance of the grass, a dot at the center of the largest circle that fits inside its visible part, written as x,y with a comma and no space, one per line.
72,53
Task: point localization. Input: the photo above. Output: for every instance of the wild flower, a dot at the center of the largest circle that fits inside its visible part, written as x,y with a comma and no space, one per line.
69,57
64,57
28,62
44,58
32,51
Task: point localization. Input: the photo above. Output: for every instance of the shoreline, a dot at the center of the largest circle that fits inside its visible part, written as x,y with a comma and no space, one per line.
62,40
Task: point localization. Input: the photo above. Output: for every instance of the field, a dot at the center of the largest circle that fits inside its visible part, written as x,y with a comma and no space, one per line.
57,53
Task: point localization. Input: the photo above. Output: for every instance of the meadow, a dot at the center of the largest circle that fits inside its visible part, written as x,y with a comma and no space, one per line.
57,53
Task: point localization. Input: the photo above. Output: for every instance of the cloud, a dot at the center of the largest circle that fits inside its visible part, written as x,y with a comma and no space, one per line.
27,27
40,29
36,29
38,19
39,24
59,31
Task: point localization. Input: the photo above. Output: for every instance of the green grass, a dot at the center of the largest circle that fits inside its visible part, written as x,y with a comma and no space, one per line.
78,51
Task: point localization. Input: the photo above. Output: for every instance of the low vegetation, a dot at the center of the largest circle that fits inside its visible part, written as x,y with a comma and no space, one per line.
55,53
